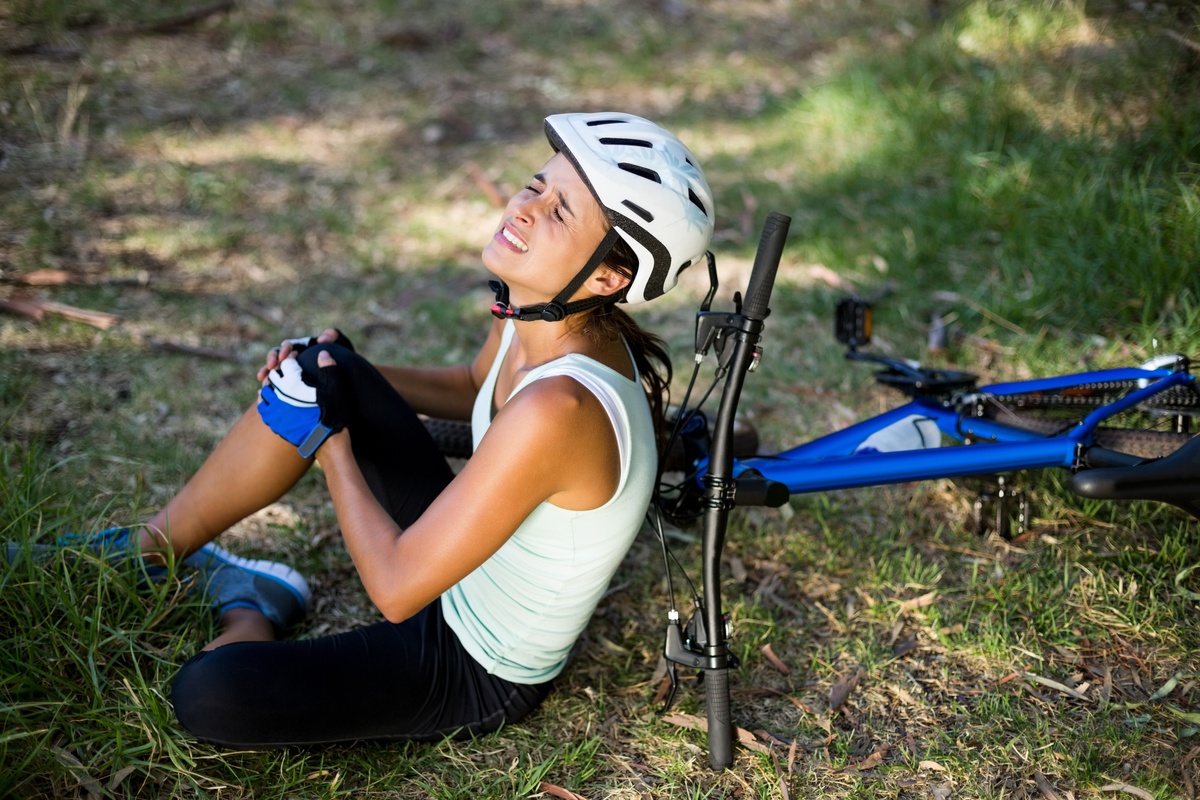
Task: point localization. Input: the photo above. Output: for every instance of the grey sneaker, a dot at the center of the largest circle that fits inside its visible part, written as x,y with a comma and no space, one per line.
278,591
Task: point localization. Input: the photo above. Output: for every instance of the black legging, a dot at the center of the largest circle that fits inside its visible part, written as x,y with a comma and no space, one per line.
411,680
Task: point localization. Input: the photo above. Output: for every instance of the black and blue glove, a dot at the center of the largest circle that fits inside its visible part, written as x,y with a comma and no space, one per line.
301,343
301,412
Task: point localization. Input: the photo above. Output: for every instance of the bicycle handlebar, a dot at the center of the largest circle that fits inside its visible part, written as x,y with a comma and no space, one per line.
766,263
720,485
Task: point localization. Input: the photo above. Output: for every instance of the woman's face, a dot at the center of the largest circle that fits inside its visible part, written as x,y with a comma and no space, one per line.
548,231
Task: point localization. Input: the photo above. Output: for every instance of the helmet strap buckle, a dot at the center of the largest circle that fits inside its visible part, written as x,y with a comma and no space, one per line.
558,308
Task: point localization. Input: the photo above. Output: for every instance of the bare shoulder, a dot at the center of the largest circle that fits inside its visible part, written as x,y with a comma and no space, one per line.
567,446
556,403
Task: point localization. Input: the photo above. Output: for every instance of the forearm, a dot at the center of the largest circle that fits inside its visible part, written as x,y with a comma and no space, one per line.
444,392
371,536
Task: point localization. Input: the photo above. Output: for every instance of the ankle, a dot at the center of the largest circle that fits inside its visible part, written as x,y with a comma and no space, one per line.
243,624
153,545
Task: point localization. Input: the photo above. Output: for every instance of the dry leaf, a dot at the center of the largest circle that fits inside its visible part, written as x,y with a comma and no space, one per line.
905,647
558,791
841,690
1044,786
918,602
1125,787
747,740
610,646
774,659
119,776
1067,690
873,760
745,737
77,770
930,766
1167,687
682,720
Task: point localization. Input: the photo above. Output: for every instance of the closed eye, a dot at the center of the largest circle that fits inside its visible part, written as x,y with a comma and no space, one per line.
557,209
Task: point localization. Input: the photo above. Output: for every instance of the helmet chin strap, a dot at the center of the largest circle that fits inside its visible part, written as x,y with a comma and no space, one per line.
558,308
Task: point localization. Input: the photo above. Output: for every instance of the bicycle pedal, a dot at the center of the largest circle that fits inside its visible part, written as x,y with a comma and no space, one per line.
1002,508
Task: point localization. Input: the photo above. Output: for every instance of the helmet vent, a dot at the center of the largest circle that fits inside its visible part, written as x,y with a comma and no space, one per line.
630,142
640,171
641,212
593,123
696,200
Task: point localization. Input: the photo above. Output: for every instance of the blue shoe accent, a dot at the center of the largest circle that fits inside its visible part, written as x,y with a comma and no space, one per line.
278,591
115,546
110,542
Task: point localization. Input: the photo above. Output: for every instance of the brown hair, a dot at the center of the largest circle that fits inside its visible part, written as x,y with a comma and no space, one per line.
649,350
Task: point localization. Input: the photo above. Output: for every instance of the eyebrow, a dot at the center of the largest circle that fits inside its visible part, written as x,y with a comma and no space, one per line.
541,178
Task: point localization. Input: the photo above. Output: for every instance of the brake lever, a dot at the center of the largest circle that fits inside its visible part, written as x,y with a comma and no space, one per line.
670,699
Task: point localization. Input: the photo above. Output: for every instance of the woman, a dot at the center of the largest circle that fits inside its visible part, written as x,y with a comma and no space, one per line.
485,578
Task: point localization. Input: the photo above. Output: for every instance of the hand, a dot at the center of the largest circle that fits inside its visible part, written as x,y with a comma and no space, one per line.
305,410
288,346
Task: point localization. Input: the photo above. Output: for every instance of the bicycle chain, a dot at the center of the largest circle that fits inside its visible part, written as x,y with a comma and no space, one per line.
1180,399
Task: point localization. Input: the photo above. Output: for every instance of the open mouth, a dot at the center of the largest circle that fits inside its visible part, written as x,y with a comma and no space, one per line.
512,239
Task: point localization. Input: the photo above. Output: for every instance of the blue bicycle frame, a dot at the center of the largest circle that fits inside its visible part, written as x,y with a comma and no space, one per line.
835,461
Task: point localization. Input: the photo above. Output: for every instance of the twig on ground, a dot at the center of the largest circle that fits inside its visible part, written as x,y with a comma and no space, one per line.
171,346
486,185
33,308
176,22
42,50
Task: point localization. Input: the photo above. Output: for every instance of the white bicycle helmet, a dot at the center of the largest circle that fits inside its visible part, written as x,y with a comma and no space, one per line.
650,188
652,192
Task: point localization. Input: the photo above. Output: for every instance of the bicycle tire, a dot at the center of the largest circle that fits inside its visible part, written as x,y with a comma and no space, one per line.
453,437
1141,442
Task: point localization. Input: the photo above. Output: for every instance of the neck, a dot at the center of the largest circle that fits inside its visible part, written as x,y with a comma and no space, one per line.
541,342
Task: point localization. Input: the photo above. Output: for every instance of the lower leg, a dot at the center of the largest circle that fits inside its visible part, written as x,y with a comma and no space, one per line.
250,468
243,625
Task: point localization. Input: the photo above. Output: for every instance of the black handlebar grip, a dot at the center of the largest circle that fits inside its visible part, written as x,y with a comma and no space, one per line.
760,491
766,263
720,729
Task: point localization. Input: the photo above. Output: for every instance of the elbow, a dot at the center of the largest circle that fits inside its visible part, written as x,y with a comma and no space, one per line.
396,610
394,617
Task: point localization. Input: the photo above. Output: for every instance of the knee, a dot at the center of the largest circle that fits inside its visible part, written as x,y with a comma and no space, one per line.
344,356
205,697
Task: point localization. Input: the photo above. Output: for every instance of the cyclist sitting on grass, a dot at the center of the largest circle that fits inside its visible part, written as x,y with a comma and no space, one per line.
485,578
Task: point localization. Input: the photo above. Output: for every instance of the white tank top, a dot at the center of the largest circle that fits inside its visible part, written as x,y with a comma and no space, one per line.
520,612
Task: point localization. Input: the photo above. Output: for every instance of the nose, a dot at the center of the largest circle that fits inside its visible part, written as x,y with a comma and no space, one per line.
527,208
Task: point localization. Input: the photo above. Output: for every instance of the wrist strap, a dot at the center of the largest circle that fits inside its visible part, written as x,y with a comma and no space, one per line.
315,439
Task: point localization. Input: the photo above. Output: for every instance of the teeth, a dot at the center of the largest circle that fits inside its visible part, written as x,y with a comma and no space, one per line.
517,243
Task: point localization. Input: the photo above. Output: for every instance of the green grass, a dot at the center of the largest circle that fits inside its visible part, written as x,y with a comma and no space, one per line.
1030,170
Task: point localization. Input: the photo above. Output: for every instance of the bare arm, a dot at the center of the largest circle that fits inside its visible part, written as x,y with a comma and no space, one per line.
444,392
554,418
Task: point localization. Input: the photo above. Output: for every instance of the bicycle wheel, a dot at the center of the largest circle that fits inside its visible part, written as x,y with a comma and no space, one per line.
1154,428
453,437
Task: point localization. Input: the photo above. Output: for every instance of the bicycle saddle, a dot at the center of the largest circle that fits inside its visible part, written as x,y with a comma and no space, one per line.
1173,479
